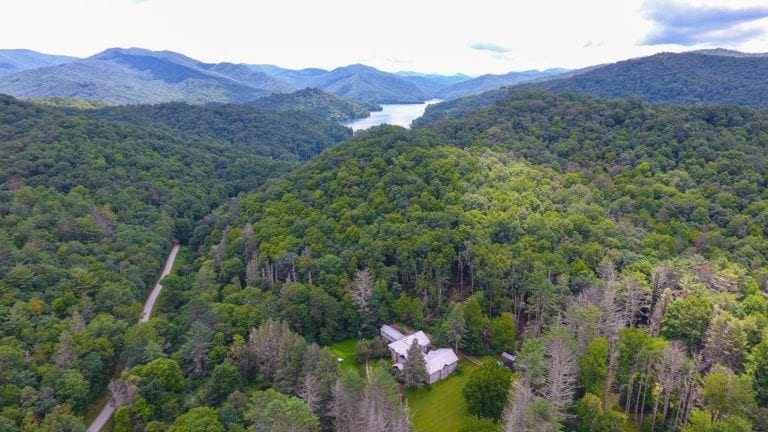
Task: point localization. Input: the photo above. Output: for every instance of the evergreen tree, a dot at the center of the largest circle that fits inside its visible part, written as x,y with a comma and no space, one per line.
415,367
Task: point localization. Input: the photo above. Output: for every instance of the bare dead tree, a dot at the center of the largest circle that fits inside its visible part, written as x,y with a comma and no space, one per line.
66,355
78,322
309,391
636,299
689,389
101,221
264,343
669,373
516,413
123,392
614,319
252,271
219,251
375,409
661,277
362,289
401,421
562,370
659,311
343,409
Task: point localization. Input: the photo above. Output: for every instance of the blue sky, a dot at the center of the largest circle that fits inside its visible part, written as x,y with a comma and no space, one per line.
474,37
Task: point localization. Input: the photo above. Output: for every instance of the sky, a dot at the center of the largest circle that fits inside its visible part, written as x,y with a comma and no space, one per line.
429,36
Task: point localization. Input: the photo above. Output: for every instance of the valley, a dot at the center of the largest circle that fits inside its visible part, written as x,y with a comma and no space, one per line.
397,115
282,217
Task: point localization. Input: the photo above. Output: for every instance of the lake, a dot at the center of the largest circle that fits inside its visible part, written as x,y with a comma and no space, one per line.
394,114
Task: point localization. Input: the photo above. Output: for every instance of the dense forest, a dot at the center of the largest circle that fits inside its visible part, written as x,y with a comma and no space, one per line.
618,248
89,205
692,78
319,103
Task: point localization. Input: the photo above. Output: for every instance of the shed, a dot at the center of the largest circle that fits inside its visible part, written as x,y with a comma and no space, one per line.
508,359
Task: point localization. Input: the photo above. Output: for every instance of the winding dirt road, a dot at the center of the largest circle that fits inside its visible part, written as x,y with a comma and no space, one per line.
109,409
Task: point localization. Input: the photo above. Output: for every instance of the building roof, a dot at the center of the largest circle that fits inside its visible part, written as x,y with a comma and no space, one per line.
508,357
401,346
439,358
391,332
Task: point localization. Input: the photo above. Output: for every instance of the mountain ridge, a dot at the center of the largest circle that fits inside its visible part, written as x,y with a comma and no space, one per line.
493,81
713,77
15,60
121,76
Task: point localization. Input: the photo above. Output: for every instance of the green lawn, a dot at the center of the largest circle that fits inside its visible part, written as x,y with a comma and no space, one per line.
345,350
441,408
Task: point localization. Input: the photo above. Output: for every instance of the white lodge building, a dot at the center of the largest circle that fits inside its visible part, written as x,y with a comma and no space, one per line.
440,362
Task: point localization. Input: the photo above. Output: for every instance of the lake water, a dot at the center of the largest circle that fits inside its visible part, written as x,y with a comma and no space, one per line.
394,114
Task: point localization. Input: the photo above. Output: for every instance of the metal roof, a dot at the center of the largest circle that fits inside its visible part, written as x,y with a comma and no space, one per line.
401,346
391,332
440,358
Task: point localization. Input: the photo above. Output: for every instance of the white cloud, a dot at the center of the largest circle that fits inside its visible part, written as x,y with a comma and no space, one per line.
434,36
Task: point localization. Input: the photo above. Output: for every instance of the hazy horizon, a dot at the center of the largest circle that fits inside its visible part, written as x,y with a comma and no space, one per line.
426,37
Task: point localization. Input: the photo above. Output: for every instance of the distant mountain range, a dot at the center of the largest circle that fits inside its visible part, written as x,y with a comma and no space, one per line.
707,77
367,84
133,76
121,76
490,82
15,60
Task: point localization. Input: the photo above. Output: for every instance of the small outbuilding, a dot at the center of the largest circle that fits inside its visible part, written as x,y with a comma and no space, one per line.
508,360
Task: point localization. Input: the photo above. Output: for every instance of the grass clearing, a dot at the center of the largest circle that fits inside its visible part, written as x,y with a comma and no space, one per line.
441,408
345,350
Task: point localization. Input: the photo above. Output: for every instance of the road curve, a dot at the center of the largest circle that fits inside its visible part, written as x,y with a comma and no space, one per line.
109,409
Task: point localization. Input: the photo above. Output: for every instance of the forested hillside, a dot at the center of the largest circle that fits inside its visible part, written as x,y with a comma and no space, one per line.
291,136
692,78
714,77
624,241
319,103
90,202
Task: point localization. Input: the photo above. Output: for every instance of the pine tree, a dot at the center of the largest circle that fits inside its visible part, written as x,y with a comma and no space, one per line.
415,367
